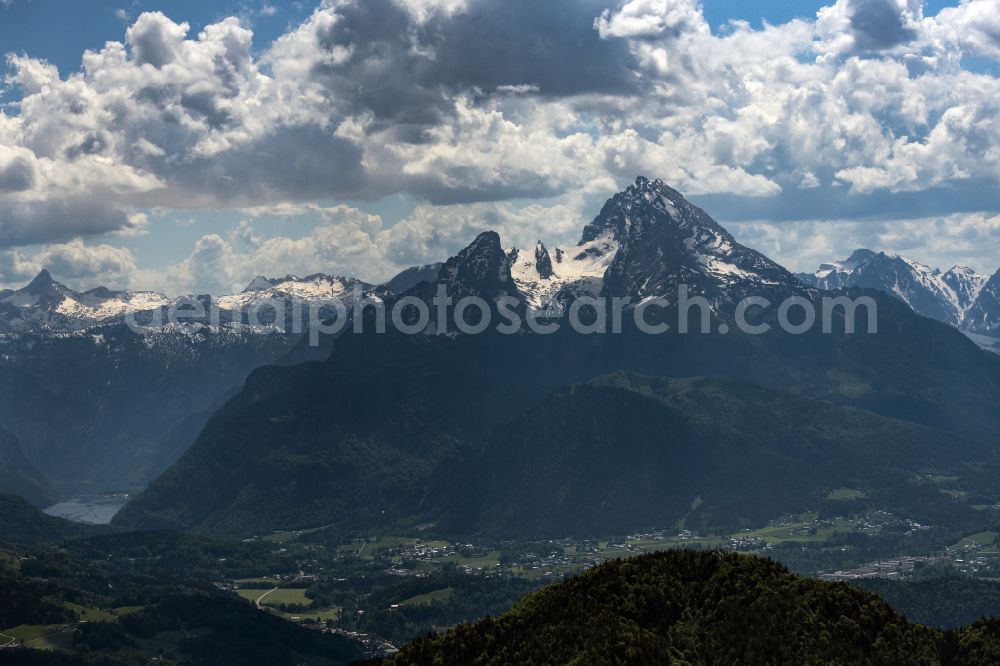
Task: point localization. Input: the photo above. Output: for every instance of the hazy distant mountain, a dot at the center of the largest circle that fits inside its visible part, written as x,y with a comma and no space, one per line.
411,277
108,409
383,431
293,294
100,407
949,296
18,476
46,305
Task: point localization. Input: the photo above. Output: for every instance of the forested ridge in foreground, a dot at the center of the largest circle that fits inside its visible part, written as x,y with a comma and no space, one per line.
685,607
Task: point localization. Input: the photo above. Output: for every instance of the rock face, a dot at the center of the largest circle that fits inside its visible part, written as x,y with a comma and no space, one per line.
481,269
967,285
543,262
646,242
666,241
984,315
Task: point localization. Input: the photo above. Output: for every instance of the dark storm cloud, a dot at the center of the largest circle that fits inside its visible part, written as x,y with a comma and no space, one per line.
405,73
24,223
553,45
295,163
879,25
17,172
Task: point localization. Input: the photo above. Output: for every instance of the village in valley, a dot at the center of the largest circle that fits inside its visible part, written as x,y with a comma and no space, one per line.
381,589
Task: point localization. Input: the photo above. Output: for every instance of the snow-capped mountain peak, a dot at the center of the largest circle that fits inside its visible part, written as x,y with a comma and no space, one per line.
666,241
44,304
946,296
317,288
646,241
967,284
619,218
43,284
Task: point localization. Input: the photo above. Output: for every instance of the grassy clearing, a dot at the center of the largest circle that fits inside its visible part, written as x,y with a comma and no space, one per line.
435,544
281,537
795,532
429,597
250,595
88,614
319,616
488,560
286,596
936,479
56,637
987,539
280,597
845,494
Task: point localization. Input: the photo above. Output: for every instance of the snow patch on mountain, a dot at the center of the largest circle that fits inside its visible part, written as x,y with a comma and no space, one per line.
84,307
313,288
983,317
554,278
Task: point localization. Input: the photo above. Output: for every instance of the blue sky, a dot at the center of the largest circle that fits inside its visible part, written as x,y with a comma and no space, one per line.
362,137
29,25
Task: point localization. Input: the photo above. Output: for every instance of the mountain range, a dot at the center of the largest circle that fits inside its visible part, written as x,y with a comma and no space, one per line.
608,261
47,305
492,433
959,296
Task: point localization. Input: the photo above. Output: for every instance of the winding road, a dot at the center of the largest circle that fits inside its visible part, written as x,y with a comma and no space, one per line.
261,598
264,596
